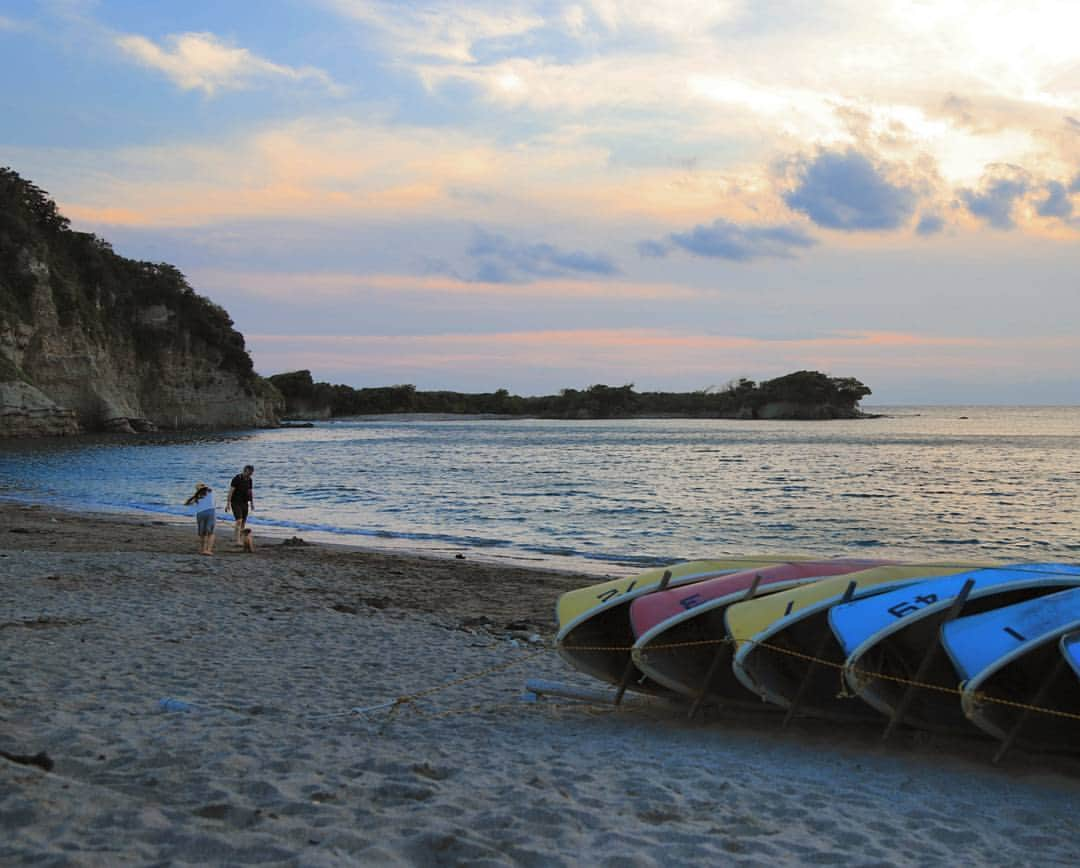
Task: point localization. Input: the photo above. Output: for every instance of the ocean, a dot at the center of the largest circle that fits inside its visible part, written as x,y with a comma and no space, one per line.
612,497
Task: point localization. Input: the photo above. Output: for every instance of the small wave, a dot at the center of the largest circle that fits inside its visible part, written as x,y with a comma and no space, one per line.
646,561
629,510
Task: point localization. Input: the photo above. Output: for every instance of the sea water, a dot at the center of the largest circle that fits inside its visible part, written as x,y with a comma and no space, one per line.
613,496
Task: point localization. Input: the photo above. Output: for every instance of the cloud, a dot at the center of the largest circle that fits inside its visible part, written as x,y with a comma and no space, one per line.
999,192
684,20
308,288
1056,203
845,190
627,76
652,249
310,168
201,61
500,260
1074,185
451,31
929,224
723,239
329,165
443,30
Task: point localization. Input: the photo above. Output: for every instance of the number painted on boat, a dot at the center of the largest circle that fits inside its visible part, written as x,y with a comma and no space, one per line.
691,601
612,593
909,606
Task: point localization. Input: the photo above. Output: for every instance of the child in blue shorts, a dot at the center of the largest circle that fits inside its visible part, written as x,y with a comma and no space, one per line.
202,504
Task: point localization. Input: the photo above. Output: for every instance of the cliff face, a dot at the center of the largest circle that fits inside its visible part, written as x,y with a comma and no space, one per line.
29,412
107,343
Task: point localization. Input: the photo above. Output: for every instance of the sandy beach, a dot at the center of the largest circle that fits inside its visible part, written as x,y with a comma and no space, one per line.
102,617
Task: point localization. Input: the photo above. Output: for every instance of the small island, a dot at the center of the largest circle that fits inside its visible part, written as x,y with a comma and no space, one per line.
800,395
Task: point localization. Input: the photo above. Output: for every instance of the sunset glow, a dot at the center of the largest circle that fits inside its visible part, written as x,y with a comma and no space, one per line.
547,195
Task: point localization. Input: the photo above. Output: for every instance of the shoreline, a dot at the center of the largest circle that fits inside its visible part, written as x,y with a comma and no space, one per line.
42,528
596,570
105,616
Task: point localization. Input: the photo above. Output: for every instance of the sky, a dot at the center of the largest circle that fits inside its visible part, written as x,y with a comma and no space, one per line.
484,194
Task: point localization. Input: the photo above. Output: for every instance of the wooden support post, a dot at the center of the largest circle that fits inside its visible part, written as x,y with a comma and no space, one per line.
909,692
628,673
718,657
849,592
1037,700
721,653
664,580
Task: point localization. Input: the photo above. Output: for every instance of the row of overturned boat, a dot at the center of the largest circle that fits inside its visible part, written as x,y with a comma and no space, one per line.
977,648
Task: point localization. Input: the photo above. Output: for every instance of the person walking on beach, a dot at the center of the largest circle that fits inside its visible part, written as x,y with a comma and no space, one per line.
241,500
202,502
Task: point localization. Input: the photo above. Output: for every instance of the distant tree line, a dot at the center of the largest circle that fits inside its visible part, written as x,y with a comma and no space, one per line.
803,394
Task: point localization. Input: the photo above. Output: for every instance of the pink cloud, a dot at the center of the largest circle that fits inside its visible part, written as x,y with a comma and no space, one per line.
337,285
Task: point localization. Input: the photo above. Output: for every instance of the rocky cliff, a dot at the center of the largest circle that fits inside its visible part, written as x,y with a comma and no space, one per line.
92,341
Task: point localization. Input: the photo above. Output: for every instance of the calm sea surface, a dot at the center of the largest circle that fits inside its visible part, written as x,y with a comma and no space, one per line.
610,497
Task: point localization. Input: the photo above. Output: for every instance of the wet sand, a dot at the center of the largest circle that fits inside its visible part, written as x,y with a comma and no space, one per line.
101,617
